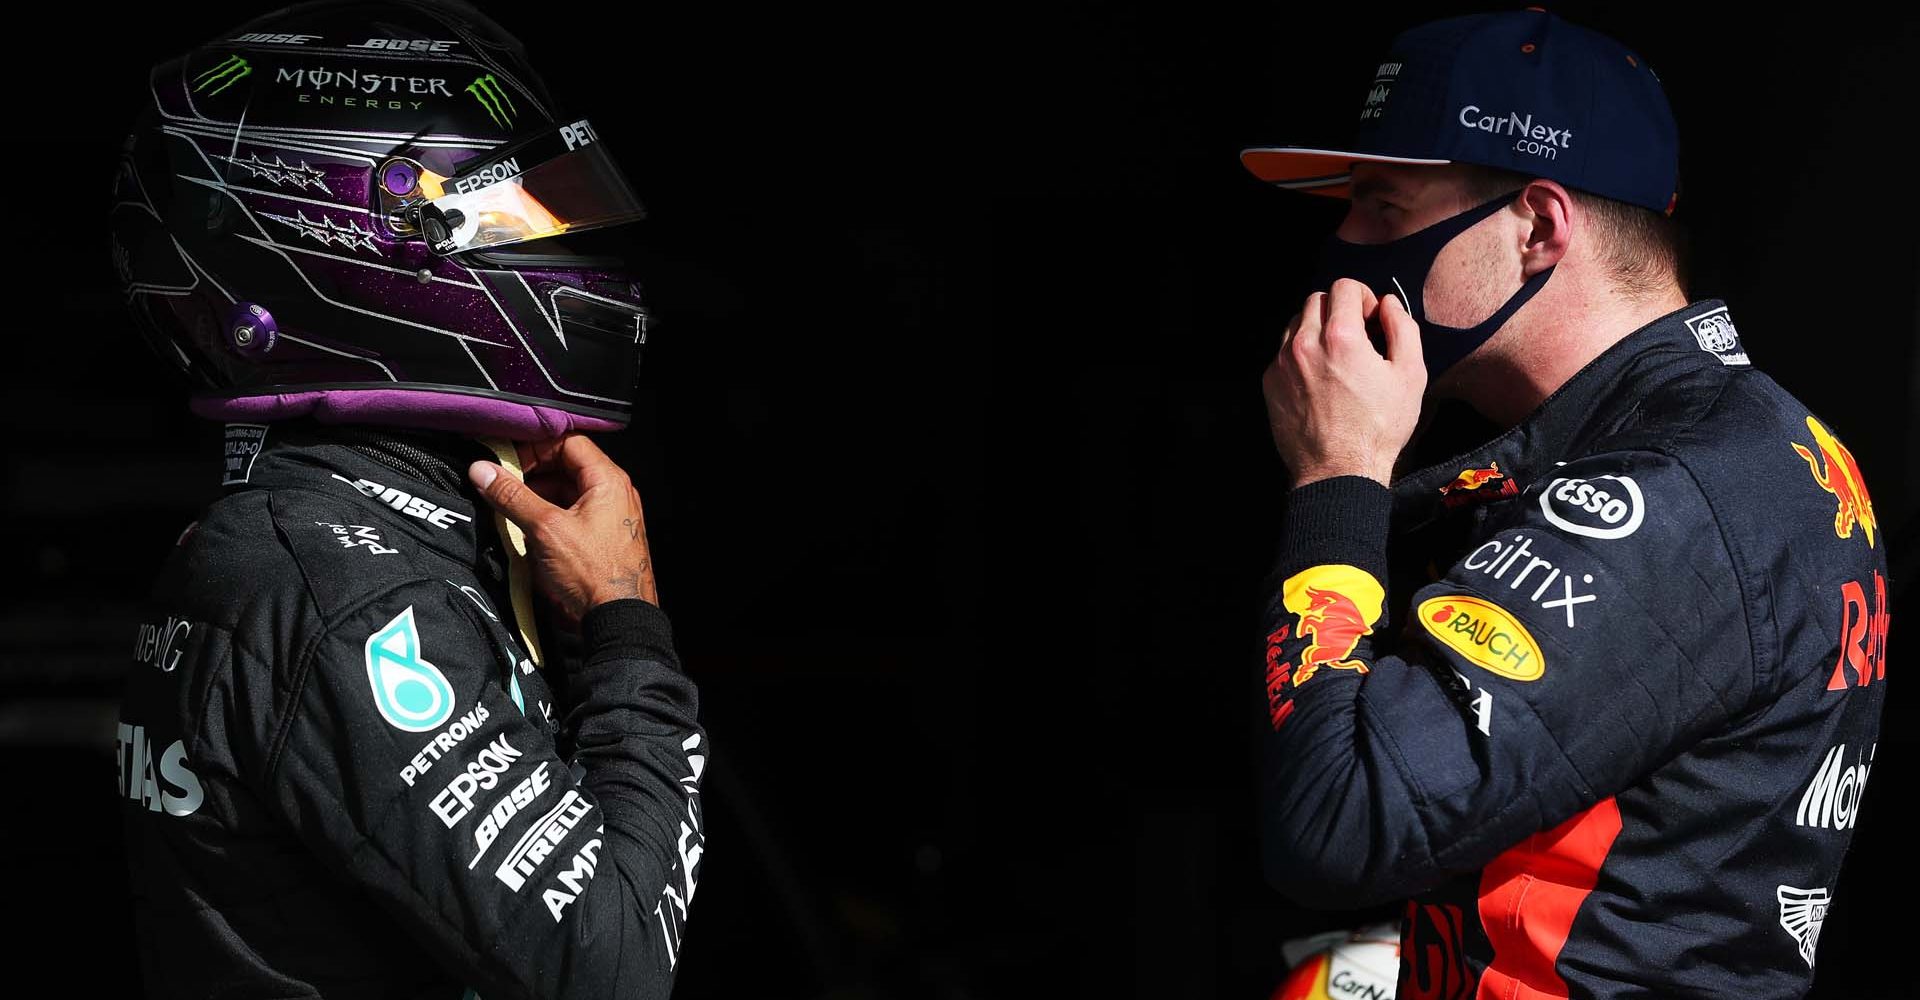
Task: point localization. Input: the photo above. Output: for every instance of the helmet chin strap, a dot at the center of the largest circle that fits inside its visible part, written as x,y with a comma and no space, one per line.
519,574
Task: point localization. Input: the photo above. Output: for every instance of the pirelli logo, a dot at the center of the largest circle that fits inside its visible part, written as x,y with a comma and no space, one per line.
541,839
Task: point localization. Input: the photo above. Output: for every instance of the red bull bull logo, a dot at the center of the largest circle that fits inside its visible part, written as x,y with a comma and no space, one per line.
1840,477
1334,622
1336,607
1471,486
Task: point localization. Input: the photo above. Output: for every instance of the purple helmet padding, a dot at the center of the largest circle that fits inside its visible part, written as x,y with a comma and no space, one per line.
439,411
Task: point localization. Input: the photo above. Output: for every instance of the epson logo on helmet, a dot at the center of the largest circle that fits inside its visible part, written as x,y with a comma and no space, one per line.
1612,501
578,134
1537,140
490,174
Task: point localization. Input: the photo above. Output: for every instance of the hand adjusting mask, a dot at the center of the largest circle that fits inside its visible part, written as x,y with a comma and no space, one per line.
1400,268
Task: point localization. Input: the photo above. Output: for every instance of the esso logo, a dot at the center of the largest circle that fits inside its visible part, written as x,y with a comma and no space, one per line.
1601,507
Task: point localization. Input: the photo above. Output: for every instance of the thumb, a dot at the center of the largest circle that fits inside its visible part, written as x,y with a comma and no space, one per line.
1403,334
508,495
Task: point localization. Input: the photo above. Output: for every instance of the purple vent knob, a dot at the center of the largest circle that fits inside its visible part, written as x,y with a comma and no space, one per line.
399,178
251,330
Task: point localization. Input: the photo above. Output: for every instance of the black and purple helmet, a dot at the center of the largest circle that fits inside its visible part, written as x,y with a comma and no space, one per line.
367,212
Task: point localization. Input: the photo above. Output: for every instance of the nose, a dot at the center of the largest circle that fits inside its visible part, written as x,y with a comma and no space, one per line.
1361,225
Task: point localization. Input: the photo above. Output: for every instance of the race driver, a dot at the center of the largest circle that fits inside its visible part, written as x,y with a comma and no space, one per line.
358,757
1601,695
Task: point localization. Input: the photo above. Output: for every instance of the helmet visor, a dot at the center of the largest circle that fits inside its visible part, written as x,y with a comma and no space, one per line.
561,181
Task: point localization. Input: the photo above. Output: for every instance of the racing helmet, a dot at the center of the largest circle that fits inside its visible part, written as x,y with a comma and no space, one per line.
371,212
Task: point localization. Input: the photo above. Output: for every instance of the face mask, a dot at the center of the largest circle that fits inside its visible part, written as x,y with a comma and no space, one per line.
1400,268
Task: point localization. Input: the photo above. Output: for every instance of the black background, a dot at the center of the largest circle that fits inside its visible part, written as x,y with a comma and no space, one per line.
952,445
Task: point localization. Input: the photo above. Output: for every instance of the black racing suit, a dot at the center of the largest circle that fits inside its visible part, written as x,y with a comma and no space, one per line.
1600,695
343,775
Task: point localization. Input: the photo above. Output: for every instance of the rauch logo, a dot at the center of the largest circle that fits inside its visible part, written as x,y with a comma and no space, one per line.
1485,634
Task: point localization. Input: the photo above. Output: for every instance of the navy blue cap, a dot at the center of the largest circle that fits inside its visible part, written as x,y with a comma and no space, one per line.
1519,90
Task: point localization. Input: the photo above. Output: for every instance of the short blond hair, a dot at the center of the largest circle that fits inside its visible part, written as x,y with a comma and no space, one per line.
1642,250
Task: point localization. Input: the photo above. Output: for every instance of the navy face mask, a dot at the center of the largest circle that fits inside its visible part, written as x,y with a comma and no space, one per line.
1400,268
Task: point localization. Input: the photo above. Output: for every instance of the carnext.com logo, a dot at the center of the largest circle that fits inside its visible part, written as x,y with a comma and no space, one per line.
1538,140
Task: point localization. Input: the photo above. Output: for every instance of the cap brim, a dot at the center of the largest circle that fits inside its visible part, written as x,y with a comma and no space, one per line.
1316,171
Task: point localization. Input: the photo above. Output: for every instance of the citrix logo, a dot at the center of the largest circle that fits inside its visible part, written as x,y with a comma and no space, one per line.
1539,140
405,503
1495,559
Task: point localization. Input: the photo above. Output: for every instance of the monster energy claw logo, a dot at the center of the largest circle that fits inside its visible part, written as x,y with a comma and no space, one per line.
493,97
226,74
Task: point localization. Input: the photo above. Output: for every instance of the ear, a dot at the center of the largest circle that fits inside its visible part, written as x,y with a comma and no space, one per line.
1552,218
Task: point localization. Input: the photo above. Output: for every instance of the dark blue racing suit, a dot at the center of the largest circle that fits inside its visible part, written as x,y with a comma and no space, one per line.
1600,696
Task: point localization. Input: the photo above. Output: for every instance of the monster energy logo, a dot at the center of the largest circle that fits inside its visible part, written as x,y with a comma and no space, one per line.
493,97
227,73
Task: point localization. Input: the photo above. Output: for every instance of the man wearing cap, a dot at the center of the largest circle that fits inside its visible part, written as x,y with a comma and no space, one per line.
1600,696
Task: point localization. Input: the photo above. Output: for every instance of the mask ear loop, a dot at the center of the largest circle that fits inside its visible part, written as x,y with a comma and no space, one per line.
519,574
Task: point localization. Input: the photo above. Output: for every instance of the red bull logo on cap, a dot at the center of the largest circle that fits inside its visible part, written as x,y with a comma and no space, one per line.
1470,486
1842,478
1336,606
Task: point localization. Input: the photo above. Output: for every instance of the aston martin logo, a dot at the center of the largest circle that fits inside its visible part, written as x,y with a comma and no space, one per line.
1802,911
327,231
279,173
